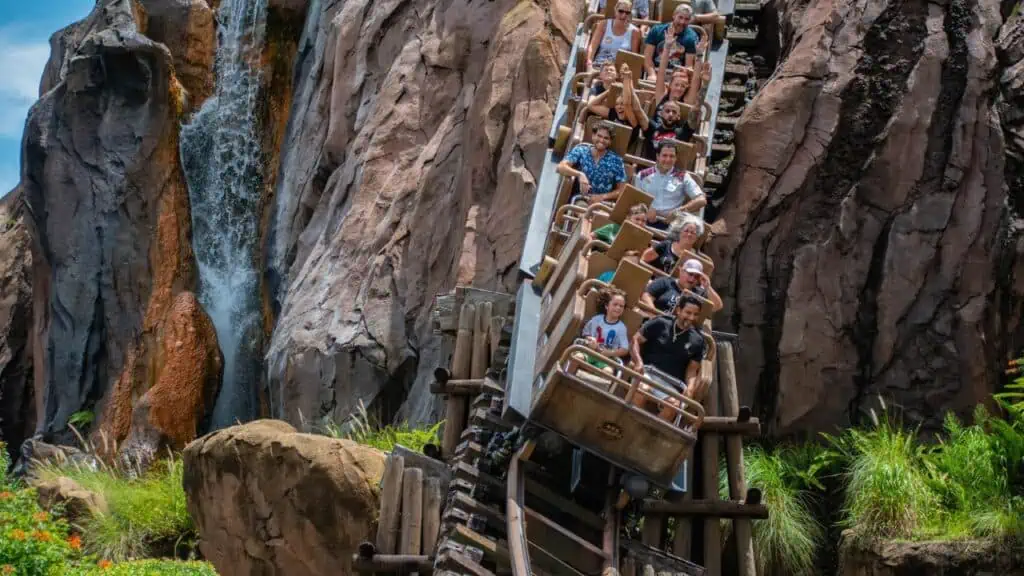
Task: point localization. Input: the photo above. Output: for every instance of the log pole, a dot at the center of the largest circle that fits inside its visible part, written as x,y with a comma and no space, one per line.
734,460
390,505
709,477
412,512
455,412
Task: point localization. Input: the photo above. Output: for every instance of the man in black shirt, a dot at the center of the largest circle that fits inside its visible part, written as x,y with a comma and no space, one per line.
668,123
668,350
663,292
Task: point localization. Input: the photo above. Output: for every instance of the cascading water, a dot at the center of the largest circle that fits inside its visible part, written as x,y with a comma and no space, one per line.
221,156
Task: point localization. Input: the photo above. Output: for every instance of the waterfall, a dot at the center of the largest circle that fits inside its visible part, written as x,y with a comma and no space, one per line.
221,156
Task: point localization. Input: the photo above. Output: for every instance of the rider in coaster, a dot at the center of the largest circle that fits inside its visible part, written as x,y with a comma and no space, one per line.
605,332
673,190
664,292
600,173
668,350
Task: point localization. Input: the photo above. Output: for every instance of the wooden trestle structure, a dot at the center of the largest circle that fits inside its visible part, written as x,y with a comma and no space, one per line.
503,495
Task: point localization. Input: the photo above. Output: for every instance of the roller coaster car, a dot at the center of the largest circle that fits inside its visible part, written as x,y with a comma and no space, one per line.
594,409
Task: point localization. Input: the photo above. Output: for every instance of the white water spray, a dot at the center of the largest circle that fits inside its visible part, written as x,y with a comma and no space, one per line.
220,152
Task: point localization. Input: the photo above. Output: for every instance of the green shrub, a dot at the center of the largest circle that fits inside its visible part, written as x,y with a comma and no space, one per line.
787,542
147,516
366,430
33,542
146,568
887,490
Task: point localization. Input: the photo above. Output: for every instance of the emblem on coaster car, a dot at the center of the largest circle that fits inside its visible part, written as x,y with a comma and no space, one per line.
611,430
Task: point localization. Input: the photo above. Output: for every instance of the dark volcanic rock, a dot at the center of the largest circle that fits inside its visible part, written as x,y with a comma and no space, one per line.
108,207
865,215
970,558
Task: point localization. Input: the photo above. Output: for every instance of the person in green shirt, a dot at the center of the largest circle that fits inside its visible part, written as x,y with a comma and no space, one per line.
607,233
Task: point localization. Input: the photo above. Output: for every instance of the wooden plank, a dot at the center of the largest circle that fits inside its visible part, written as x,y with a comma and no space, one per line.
589,518
390,505
706,507
432,468
393,563
734,460
550,562
433,501
496,552
461,564
412,511
709,476
514,519
581,546
455,413
481,337
729,425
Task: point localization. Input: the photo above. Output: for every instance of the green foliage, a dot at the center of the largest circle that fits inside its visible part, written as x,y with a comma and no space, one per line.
788,540
81,419
367,430
32,542
146,515
147,568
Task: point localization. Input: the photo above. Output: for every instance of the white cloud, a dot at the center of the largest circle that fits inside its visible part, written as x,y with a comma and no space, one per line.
21,67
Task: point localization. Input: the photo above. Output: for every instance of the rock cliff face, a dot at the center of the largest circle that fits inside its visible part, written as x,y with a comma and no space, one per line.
17,412
867,215
408,165
107,203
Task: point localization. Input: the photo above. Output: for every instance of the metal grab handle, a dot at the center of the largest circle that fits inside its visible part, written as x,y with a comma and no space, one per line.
696,418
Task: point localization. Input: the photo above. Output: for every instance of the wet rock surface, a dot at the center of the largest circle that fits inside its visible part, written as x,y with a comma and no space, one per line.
268,500
17,397
867,216
407,168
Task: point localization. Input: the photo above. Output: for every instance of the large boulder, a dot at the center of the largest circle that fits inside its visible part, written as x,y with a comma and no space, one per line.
866,215
108,208
17,398
268,500
77,502
410,163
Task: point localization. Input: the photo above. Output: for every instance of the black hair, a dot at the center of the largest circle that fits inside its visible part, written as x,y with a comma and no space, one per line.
687,299
662,144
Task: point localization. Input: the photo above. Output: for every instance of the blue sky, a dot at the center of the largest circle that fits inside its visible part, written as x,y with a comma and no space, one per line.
25,29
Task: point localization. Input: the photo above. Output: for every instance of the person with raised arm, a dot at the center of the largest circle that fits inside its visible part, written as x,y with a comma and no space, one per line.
664,292
627,107
600,173
610,36
604,79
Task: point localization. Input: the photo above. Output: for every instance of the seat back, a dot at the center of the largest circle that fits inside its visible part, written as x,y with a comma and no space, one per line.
634,60
630,238
686,154
632,279
630,196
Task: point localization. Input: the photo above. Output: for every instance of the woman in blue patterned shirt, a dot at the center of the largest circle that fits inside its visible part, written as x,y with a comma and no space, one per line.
599,172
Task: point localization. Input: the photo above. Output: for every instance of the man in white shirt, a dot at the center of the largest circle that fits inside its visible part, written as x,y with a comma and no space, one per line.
673,190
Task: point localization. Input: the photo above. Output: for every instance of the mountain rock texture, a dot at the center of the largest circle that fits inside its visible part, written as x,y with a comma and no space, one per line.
17,400
267,500
107,205
408,166
867,215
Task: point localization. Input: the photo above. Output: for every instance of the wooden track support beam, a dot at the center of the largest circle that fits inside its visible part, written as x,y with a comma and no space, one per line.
734,460
462,359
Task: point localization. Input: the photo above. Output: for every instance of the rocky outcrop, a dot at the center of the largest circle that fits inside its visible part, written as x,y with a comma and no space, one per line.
268,500
409,165
866,215
185,370
107,202
1010,101
186,28
977,558
17,401
76,502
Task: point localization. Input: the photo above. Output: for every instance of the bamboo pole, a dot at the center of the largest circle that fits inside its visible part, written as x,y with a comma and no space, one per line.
709,476
390,505
734,460
455,412
412,512
432,504
481,348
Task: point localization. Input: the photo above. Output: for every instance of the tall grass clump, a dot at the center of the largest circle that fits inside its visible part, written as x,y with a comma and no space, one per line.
146,516
366,430
787,542
888,494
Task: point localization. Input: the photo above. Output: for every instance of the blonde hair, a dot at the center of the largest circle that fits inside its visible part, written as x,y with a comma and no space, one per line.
640,208
626,3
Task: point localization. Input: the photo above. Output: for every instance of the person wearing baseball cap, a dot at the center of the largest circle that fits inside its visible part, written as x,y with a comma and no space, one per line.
663,293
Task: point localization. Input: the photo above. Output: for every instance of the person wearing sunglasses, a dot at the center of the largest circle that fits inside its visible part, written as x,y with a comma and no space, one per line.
610,36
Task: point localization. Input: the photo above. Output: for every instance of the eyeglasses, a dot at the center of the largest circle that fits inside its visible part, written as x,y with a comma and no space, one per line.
623,11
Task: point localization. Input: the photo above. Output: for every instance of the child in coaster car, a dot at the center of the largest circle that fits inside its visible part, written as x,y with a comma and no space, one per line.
605,332
608,232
